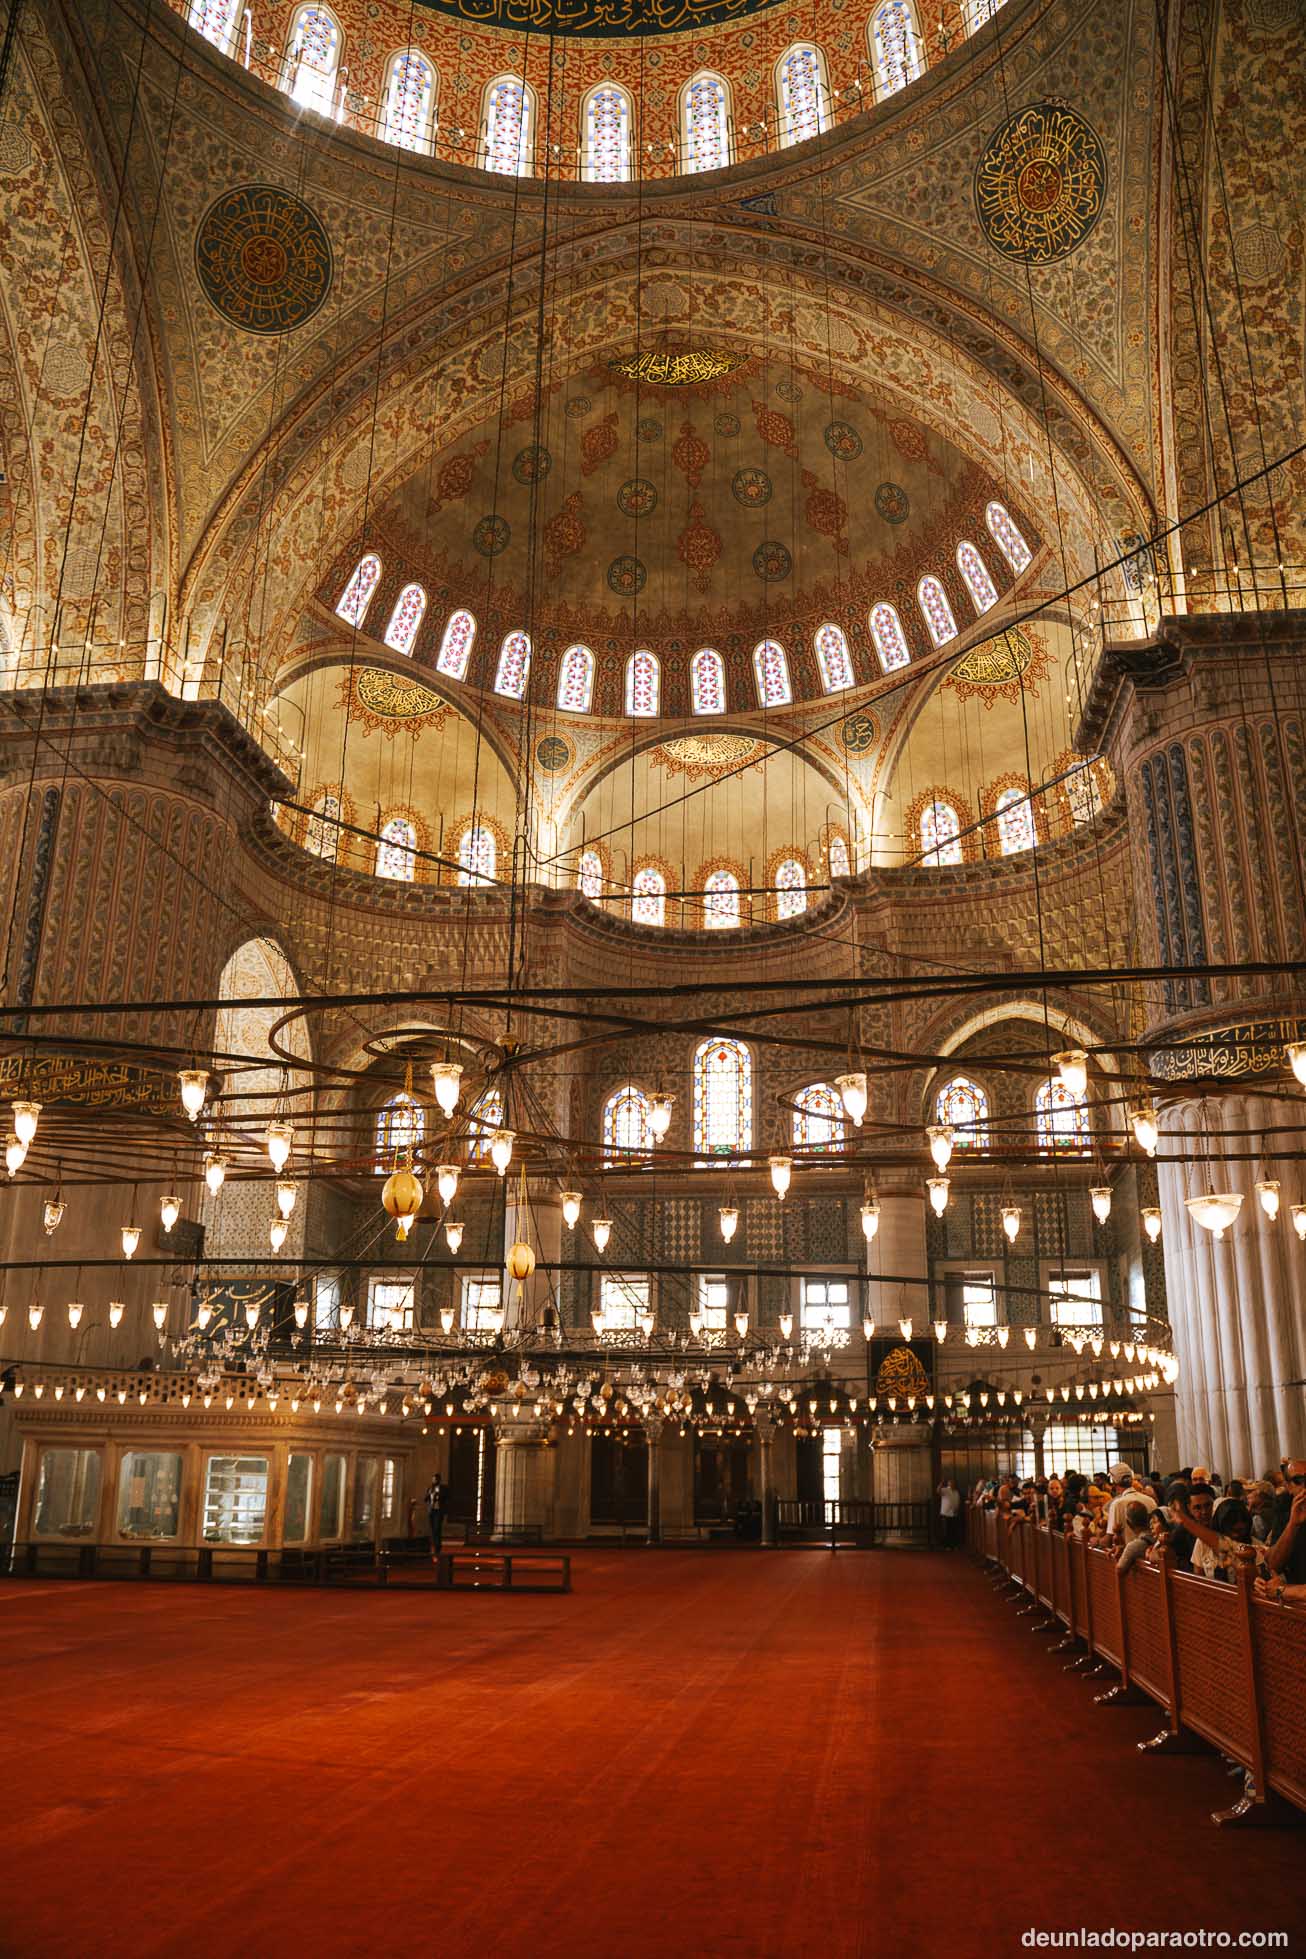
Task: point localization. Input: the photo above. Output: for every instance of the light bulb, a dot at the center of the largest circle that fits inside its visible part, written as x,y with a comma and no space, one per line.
1299,1220
446,1080
781,1172
1268,1192
852,1088
75,1311
940,1331
939,1137
26,1115
446,1182
194,1084
278,1138
15,1155
116,1311
1151,1217
1146,1126
1215,1210
286,1193
215,1173
52,1216
659,1114
786,1325
602,1228
904,1328
160,1311
277,1233
1011,1221
1295,1051
938,1189
301,1313
1072,1066
1100,1198
453,1232
729,1217
870,1218
501,1149
35,1314
169,1210
571,1202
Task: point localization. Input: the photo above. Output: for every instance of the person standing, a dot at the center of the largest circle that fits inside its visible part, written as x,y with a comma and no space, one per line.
435,1515
950,1514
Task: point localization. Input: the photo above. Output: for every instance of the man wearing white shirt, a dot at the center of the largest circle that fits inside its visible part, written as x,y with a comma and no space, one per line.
1122,1483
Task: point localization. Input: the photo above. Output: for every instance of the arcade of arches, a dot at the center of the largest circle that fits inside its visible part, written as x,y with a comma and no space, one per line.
654,721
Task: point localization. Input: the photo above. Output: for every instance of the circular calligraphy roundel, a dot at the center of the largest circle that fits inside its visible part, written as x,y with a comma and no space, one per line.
263,258
1040,184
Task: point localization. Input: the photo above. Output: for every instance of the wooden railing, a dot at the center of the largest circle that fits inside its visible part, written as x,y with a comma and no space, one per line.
1227,1668
851,1520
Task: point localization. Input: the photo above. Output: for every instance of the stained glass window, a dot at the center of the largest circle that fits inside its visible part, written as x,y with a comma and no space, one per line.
976,574
607,135
772,670
483,1118
962,1106
1061,1117
721,900
889,639
589,875
978,11
937,613
216,21
314,58
405,619
394,853
940,834
323,834
643,684
723,1099
895,49
833,658
705,119
1015,814
803,95
648,904
400,1125
576,680
514,666
476,855
508,104
456,645
1007,537
357,595
1082,791
840,863
707,682
626,1128
408,114
818,1120
790,889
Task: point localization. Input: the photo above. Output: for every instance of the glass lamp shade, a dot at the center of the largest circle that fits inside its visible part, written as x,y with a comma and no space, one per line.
194,1083
1295,1051
729,1217
117,1309
938,1189
403,1225
402,1194
571,1203
453,1232
1072,1066
251,1314
169,1210
1031,1337
160,1312
868,1330
781,1173
1011,1221
1151,1216
1268,1192
278,1139
446,1319
52,1216
852,1089
501,1149
75,1311
521,1259
1299,1220
659,1114
870,1218
286,1193
905,1328
26,1117
1215,1210
446,1081
741,1322
446,1181
215,1173
277,1233
940,1331
786,1325
939,1138
15,1155
35,1314
1146,1127
301,1313
602,1228
1100,1198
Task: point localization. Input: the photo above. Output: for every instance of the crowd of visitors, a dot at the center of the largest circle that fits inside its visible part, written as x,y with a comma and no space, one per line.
1203,1522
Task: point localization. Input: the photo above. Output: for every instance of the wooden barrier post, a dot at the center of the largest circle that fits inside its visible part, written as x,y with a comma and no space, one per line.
1258,1807
1174,1738
1124,1693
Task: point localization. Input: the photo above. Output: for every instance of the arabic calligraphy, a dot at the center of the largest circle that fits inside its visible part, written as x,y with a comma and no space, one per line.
663,370
1041,184
263,258
56,1079
1252,1047
599,16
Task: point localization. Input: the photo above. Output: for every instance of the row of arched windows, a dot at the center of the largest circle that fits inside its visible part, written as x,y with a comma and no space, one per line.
408,115
722,900
1061,1118
707,673
473,844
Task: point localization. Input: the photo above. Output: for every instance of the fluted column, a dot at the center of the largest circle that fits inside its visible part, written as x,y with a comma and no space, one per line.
524,1467
653,1432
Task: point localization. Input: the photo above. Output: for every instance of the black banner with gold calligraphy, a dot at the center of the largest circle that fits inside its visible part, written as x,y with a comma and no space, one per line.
613,17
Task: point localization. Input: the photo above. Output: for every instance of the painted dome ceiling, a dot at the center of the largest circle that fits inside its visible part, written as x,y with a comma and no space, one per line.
761,503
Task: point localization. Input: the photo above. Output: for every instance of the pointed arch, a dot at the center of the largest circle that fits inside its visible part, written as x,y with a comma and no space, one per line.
410,609
400,1127
576,680
837,852
607,134
1061,1118
648,903
833,659
217,21
643,683
940,833
721,900
357,595
627,1128
705,122
395,848
963,1106
408,101
514,666
802,93
707,682
508,123
983,592
895,46
790,887
1014,809
589,876
322,836
819,1121
1006,534
477,854
313,59
456,643
888,637
771,668
723,1100
935,610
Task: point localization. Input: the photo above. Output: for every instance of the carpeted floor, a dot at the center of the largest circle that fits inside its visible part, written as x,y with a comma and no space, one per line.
692,1754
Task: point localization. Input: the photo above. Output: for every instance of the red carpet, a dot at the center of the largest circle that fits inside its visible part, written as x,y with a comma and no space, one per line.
692,1754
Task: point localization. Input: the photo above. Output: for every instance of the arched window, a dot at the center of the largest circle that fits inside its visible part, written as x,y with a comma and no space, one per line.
1082,792
705,122
833,658
483,1118
940,834
514,666
456,645
476,855
626,1127
643,684
720,900
723,1099
648,903
509,110
790,888
818,1121
400,1126
589,875
357,595
707,682
1006,536
962,1106
1015,814
313,59
976,12
772,670
576,680
408,113
895,47
888,637
394,853
322,837
976,574
606,119
840,862
1061,1118
936,611
216,20
803,96
405,619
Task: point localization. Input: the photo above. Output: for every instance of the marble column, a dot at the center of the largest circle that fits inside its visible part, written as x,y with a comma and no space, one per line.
539,1224
653,1434
524,1476
765,1430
